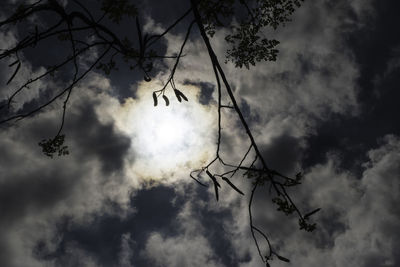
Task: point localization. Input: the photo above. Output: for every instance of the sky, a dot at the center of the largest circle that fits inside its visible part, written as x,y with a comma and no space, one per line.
123,197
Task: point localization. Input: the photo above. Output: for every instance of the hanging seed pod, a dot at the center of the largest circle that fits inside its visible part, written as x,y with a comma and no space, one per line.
155,99
166,100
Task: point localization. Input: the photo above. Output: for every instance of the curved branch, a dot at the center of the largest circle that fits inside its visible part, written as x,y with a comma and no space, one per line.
30,113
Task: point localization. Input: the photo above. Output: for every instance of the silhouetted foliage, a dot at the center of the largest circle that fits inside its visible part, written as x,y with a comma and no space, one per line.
86,31
54,145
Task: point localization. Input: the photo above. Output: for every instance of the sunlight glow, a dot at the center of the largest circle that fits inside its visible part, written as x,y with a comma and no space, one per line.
167,141
164,131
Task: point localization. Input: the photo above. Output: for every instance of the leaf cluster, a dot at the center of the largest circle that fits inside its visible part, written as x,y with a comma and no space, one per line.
282,200
214,12
107,67
284,205
249,48
54,146
116,9
247,21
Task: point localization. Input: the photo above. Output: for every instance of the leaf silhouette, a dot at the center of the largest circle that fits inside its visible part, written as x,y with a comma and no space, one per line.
282,258
232,185
216,184
311,213
15,72
213,178
216,191
15,62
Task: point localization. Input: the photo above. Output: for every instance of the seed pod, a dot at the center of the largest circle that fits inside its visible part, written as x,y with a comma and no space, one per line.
147,78
155,99
166,100
180,95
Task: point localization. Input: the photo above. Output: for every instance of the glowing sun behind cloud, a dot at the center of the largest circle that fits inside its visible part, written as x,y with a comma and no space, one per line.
164,132
167,141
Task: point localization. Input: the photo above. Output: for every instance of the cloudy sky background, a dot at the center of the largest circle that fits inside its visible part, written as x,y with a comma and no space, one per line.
328,106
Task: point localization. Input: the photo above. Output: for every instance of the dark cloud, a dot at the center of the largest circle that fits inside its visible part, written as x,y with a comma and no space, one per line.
283,153
34,192
95,139
206,91
325,103
35,188
155,210
213,225
374,48
166,13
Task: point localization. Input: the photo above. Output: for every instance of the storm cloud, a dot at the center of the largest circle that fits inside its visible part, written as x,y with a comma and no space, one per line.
327,107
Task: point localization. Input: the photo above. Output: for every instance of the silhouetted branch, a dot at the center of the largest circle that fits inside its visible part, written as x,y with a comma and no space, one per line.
30,113
251,221
170,80
248,48
264,174
154,38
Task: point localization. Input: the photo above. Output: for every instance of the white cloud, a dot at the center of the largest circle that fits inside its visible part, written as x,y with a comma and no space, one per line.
76,256
188,248
180,251
358,221
357,225
126,253
372,237
167,141
37,192
315,77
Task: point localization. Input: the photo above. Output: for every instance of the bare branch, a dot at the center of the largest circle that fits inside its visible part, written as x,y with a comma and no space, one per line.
30,113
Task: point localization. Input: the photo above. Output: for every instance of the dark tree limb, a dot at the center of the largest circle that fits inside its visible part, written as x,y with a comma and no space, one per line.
80,22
